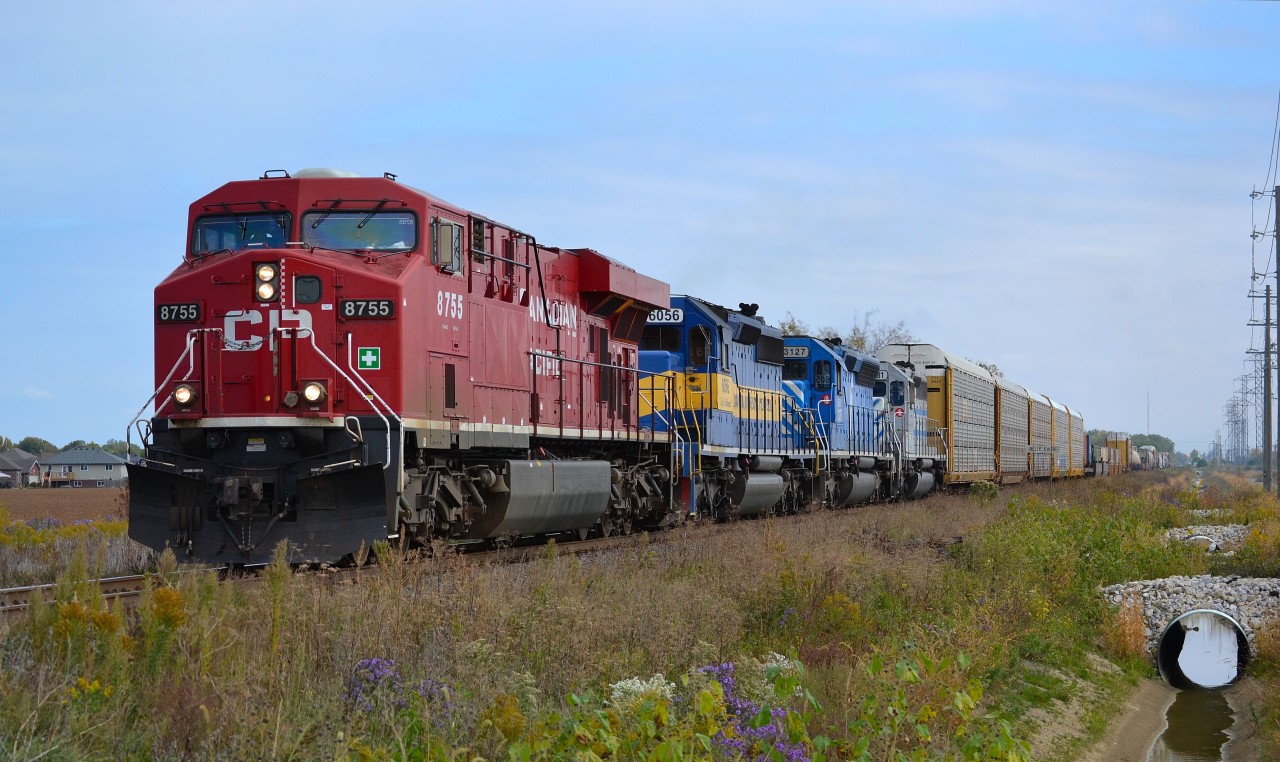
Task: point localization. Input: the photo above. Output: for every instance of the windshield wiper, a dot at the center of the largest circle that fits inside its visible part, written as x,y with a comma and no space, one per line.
205,254
372,212
325,214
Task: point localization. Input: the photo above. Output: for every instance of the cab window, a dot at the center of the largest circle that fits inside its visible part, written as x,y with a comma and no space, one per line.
822,375
351,230
795,370
897,397
664,338
697,348
234,232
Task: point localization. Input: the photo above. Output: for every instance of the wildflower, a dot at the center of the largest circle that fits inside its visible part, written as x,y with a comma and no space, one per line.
786,615
627,695
439,698
743,737
373,680
506,717
169,608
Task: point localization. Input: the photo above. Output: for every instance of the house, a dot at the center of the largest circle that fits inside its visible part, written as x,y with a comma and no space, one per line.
83,467
21,467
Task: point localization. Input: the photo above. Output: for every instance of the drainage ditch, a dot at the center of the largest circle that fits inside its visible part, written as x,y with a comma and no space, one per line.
1199,653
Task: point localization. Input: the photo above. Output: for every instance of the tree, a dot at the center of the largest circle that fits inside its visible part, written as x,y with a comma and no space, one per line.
36,445
1162,444
118,448
6,444
867,337
990,367
870,336
80,443
793,326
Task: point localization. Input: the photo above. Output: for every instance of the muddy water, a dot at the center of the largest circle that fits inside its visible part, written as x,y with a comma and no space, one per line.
1198,721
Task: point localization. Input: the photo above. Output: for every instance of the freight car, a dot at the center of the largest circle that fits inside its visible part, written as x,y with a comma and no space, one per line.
344,360
989,428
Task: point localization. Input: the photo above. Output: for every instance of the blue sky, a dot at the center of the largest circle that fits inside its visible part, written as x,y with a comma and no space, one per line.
1059,188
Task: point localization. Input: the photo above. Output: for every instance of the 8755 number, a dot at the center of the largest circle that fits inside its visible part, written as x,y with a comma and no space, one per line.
366,308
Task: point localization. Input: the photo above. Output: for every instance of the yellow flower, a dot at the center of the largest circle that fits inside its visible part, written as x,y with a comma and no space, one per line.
169,607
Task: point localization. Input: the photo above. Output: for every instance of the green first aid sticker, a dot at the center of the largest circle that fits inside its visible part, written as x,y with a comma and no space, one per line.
369,358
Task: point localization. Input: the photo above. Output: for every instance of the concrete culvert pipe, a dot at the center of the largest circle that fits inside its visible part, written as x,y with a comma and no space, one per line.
1202,648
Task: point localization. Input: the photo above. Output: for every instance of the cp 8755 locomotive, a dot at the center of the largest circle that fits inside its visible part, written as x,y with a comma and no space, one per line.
341,360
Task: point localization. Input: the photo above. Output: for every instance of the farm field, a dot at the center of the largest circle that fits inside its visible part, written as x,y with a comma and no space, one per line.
64,504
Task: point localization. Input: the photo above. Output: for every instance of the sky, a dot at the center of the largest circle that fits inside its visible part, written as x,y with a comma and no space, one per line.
1062,189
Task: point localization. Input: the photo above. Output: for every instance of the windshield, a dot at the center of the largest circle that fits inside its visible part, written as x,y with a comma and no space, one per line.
240,231
378,231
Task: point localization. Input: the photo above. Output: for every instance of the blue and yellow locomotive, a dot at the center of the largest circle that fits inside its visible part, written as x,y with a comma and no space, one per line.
713,376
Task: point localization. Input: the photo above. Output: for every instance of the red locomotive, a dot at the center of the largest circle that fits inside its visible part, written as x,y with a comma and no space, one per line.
342,360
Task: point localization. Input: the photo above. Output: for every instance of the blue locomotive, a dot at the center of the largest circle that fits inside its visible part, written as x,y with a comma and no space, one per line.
763,423
831,388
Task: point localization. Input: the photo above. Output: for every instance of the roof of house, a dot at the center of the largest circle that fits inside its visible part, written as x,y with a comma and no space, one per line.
15,459
82,456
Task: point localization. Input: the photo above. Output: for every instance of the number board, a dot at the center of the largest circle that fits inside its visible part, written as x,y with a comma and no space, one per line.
366,308
673,315
178,313
795,353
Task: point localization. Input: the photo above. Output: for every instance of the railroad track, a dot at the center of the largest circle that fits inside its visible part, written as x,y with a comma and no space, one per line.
124,591
15,600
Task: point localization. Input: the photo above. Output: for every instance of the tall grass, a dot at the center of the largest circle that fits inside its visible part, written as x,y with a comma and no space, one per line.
910,629
35,551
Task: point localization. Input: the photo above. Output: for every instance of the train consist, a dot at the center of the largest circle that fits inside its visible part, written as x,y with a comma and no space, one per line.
341,360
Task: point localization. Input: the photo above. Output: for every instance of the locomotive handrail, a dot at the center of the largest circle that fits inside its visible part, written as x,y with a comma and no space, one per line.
186,353
590,363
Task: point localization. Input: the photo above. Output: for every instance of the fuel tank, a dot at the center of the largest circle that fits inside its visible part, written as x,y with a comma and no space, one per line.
542,497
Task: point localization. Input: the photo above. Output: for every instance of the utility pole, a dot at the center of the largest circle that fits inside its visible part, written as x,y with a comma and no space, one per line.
1266,394
1266,348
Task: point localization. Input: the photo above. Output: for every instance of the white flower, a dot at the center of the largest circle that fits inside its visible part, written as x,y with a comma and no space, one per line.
625,695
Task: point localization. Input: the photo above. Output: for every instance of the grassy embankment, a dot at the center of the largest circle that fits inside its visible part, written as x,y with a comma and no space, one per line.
893,647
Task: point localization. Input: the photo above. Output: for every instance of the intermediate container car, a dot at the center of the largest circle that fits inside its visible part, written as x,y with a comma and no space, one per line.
962,398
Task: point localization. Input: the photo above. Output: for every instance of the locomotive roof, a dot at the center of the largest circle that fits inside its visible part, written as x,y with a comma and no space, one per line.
723,313
337,178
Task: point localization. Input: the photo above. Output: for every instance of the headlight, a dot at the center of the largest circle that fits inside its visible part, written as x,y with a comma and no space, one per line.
313,392
266,286
184,395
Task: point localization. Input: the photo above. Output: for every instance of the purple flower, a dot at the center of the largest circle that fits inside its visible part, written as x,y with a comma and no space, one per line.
743,737
374,680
